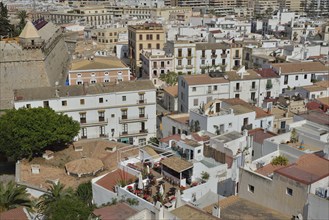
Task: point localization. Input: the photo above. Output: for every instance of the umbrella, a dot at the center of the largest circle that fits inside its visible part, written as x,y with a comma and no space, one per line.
178,199
161,191
140,181
148,169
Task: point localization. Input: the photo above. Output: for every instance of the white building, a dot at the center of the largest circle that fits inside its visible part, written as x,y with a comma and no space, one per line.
154,63
197,90
125,111
299,74
229,115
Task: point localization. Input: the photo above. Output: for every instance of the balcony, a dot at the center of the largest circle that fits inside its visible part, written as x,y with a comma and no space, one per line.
246,127
223,55
133,133
237,56
103,135
189,56
203,57
189,66
91,123
100,119
133,119
141,101
213,56
83,120
269,86
252,101
209,91
179,67
237,89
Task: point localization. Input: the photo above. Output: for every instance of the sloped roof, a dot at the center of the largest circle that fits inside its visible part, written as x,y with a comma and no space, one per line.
172,90
29,31
111,179
114,212
14,214
291,68
308,169
177,164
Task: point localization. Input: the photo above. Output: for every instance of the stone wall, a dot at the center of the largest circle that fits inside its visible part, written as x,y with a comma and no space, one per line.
30,68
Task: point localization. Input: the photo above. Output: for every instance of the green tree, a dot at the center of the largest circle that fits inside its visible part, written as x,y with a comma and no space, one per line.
12,196
170,78
84,193
5,26
68,208
22,15
25,132
280,160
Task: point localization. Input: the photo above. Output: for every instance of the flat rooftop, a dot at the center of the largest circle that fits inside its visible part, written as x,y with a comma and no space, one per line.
177,164
192,213
201,79
259,135
224,138
115,212
97,63
235,207
42,93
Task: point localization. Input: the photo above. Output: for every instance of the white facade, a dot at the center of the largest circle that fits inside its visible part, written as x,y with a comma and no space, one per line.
126,115
175,124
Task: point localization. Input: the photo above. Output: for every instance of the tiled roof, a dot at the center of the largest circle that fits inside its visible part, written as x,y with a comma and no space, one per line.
201,79
259,135
267,73
324,100
181,118
175,137
172,90
115,212
314,88
249,75
151,152
177,164
110,180
308,169
14,214
323,83
291,68
268,169
260,113
312,105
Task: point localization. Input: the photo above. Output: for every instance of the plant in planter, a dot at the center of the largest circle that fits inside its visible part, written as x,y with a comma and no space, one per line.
280,160
130,188
204,176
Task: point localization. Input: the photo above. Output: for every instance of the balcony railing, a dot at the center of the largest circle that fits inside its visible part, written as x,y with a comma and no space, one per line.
253,88
237,89
134,133
132,119
103,135
203,57
90,123
252,101
223,55
100,119
209,91
213,56
269,86
179,67
141,101
189,66
237,57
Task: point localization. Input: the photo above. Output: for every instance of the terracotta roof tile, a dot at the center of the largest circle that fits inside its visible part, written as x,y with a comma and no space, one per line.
267,73
115,212
203,79
14,214
259,135
175,137
177,164
268,169
308,169
172,90
291,68
111,179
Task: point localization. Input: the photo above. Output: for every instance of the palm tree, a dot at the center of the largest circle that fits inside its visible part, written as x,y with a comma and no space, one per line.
54,193
84,193
12,196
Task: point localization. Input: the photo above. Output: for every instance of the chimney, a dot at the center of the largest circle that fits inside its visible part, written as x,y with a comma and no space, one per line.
216,211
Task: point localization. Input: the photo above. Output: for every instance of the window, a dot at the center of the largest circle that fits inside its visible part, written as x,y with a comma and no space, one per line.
93,81
189,52
195,102
124,113
289,191
158,36
124,98
64,103
158,46
140,46
223,61
203,53
162,64
149,46
296,77
28,105
193,89
173,130
120,78
237,96
106,73
189,62
141,98
305,76
215,88
106,80
112,115
199,151
286,79
179,52
140,37
82,101
46,104
83,117
79,74
251,188
84,133
125,128
101,116
253,85
179,62
102,131
141,112
253,96
230,125
100,100
213,62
